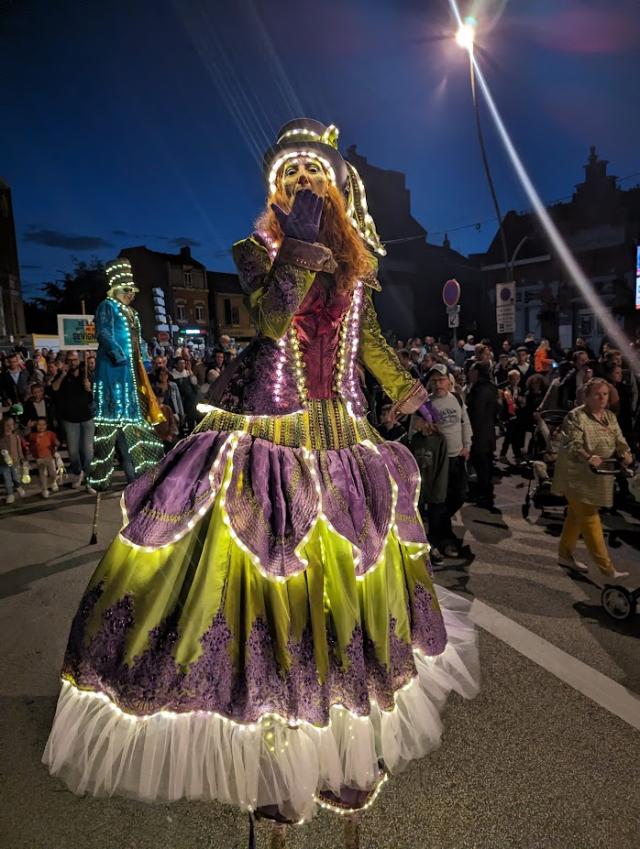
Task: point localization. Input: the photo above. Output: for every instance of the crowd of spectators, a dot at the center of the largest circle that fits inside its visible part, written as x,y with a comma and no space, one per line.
493,397
47,409
488,400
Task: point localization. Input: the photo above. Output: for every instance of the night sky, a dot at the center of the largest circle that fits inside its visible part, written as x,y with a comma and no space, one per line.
144,121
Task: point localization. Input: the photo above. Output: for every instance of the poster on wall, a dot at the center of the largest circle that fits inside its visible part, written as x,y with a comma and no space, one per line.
77,332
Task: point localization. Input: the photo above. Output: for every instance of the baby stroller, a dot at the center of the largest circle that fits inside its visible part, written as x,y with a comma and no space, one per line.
542,452
619,602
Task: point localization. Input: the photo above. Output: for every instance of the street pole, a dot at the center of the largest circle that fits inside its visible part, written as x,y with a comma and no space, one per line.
485,162
487,170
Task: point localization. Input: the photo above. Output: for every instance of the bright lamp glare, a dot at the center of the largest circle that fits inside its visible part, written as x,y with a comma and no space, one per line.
466,34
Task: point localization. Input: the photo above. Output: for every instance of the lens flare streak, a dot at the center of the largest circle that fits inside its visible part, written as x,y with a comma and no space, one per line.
578,277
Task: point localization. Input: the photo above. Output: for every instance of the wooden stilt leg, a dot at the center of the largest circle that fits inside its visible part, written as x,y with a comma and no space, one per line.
94,528
352,832
278,836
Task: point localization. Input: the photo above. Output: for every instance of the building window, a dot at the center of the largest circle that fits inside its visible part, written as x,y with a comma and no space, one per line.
231,313
181,312
188,279
199,312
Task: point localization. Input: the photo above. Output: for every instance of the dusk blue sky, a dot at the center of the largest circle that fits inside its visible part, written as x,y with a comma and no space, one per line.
144,122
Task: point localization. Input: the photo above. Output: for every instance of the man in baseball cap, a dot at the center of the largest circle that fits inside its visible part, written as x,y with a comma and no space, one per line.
455,427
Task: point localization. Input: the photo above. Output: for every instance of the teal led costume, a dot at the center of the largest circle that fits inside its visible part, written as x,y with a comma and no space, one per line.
126,407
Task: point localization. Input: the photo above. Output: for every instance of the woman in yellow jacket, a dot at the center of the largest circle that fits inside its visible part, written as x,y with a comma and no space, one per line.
592,435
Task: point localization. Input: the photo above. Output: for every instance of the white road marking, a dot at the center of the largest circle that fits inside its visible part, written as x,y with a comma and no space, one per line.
610,695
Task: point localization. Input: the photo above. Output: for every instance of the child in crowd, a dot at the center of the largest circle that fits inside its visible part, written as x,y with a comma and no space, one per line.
168,430
43,444
11,459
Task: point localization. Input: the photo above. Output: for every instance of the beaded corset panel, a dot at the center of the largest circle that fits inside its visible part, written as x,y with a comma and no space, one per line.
317,324
314,360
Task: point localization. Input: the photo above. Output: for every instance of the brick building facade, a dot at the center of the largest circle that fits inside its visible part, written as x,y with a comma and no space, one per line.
12,324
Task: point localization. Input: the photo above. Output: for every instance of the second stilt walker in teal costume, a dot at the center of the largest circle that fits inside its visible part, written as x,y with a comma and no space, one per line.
126,407
265,630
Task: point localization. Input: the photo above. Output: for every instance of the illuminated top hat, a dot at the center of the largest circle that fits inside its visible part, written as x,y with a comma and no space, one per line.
120,276
307,137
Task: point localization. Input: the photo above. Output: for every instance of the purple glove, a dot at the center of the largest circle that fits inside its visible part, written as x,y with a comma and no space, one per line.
429,413
303,222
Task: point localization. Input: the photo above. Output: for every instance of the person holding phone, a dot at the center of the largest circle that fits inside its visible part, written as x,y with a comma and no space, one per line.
73,395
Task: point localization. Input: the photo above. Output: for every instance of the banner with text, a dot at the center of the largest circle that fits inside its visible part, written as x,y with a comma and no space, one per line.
77,332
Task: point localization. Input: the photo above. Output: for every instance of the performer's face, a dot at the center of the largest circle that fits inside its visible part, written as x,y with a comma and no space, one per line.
125,296
304,173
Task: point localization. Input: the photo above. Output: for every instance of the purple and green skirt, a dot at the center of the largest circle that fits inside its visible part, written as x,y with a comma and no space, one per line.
264,631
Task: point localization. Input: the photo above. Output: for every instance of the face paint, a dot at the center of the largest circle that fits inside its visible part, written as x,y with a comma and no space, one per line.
125,296
303,173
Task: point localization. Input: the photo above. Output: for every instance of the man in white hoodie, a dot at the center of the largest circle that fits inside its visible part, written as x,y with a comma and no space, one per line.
455,426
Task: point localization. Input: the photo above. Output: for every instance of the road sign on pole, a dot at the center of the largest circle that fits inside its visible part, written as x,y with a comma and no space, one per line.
451,292
506,307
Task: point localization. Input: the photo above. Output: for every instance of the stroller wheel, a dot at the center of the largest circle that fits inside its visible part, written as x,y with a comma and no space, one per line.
618,602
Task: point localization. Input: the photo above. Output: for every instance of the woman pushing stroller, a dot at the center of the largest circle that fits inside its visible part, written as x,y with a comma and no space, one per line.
592,436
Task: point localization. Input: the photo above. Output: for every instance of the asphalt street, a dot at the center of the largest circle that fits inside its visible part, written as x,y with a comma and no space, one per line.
546,757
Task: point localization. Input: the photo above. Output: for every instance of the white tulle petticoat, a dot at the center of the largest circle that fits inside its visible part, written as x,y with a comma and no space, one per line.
96,748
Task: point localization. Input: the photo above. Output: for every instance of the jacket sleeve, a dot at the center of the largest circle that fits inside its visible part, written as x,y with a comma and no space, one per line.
622,447
276,288
142,345
575,437
177,398
105,331
467,430
382,361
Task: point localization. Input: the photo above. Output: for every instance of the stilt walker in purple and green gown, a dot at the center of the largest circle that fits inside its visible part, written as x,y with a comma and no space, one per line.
264,630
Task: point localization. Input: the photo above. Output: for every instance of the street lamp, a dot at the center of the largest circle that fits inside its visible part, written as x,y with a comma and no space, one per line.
465,38
466,34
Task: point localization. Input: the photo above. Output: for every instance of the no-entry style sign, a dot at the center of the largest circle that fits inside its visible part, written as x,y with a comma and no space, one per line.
451,293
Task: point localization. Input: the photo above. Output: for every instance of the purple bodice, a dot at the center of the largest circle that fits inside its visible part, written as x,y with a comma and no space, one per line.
315,359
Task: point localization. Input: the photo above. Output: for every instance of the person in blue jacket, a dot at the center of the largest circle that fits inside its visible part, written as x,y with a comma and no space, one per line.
126,407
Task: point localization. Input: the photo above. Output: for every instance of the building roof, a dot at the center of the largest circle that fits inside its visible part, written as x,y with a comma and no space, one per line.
224,283
183,257
388,199
597,212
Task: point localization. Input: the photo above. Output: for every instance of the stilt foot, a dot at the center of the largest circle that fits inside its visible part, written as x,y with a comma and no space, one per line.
278,836
352,832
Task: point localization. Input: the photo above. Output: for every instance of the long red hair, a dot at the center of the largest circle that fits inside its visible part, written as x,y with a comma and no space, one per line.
336,232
